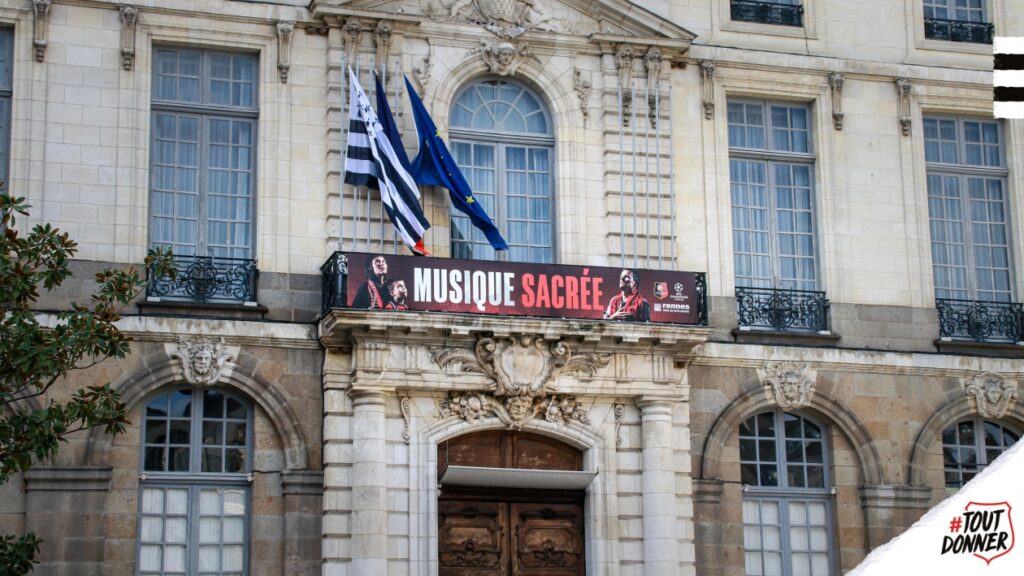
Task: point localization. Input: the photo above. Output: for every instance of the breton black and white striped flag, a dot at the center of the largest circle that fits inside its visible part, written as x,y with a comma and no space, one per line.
371,161
1008,77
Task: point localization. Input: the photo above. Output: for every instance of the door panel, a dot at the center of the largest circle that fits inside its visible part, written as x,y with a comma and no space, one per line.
547,539
473,539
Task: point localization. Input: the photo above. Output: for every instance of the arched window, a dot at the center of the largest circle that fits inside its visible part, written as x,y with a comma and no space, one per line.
194,503
503,141
787,506
970,445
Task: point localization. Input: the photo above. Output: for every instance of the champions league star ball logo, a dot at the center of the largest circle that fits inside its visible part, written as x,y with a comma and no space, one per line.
985,530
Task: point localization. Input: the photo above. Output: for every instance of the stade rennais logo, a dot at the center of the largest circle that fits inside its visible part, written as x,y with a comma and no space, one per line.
985,529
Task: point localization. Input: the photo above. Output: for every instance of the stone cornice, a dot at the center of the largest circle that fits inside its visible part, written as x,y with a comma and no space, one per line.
235,332
342,328
725,354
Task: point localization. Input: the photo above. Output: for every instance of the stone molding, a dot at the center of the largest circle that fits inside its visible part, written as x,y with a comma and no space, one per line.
284,49
990,395
82,479
835,83
302,482
901,497
707,84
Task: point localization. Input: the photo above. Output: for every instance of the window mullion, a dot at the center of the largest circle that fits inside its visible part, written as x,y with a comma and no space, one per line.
202,181
773,225
192,536
196,436
500,191
968,230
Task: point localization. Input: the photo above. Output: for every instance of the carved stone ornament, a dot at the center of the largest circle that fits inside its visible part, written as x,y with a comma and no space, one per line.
421,71
835,82
652,65
619,410
624,65
40,27
583,88
990,395
504,58
903,101
353,33
522,368
405,404
707,81
382,40
203,362
788,384
129,18
504,18
284,49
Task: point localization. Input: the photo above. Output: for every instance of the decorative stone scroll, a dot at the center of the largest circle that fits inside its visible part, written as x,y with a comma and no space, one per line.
619,410
284,49
129,18
903,101
790,385
405,405
522,368
353,33
40,27
707,82
203,362
835,82
990,395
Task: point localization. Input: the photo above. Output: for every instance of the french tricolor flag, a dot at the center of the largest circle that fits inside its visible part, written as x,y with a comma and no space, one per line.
1008,77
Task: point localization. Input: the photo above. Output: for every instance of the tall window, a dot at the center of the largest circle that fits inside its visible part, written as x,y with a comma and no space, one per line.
967,206
503,141
194,505
970,445
771,164
204,151
787,526
6,84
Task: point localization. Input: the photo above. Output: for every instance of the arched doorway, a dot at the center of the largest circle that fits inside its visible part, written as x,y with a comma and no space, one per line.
514,529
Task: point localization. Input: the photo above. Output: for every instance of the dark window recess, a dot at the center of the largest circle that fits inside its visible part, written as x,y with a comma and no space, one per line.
768,12
953,30
980,320
783,310
206,279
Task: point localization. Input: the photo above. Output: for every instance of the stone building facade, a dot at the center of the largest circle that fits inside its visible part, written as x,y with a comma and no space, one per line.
832,167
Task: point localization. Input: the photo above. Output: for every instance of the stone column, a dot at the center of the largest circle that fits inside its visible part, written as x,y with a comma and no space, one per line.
659,488
369,483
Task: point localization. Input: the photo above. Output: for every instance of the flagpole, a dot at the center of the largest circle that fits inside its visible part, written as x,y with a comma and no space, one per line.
647,178
657,163
632,121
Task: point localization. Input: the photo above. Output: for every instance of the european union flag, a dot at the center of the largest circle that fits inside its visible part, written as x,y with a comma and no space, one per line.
434,166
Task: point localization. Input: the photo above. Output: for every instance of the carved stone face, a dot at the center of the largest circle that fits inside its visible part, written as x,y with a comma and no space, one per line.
202,360
519,407
993,391
791,389
506,53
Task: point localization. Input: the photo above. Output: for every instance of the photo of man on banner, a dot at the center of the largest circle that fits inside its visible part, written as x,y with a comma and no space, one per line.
628,305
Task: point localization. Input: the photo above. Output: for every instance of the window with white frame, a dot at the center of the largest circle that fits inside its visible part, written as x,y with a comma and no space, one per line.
503,140
6,90
771,168
787,505
967,178
194,487
203,174
972,444
962,10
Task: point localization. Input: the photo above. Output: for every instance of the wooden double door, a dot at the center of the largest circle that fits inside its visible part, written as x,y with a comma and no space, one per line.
510,537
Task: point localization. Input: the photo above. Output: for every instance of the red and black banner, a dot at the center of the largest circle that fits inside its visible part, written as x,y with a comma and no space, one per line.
391,282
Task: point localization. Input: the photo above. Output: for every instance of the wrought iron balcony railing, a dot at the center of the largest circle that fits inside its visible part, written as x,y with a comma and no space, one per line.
206,279
768,12
958,30
980,320
783,310
333,275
